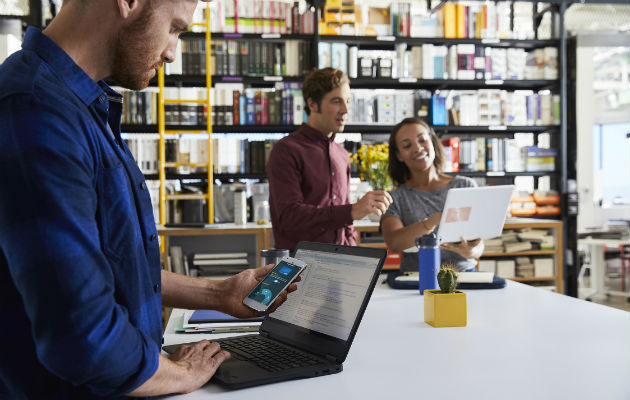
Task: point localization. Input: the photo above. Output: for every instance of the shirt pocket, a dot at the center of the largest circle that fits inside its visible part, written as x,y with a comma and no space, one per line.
116,212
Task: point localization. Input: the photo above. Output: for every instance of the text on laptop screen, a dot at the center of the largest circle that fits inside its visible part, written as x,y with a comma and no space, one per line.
330,294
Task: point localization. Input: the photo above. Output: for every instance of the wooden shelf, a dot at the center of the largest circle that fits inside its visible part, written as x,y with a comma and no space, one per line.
535,279
521,253
557,254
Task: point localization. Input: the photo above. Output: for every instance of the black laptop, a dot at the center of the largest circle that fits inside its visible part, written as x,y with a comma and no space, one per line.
311,333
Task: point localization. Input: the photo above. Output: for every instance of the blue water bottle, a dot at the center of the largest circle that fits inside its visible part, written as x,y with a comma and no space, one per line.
428,261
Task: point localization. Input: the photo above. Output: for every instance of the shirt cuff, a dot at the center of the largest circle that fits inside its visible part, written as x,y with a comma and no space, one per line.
342,215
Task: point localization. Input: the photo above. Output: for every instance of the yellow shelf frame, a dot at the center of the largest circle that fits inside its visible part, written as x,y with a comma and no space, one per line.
163,164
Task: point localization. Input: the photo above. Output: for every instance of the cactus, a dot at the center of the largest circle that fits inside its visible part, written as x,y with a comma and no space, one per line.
447,278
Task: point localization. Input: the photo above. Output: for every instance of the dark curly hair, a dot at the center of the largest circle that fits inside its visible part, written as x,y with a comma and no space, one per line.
320,82
397,170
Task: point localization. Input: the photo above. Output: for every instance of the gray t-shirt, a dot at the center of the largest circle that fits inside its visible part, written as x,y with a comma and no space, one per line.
413,205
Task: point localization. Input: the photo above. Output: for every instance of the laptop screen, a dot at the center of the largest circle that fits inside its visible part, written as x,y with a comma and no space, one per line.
331,292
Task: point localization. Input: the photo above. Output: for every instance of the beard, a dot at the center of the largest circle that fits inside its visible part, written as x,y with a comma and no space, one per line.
133,60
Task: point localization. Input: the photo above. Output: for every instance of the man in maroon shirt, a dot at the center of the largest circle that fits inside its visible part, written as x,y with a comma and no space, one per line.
309,174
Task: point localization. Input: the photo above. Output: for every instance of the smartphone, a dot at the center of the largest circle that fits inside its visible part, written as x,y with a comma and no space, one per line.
280,277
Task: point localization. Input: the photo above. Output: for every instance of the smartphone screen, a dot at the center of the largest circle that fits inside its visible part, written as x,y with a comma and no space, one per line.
274,283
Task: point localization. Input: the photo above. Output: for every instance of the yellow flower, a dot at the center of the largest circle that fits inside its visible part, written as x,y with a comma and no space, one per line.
372,162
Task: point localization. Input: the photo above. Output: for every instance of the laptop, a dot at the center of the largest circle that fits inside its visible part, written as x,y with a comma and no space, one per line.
474,212
310,334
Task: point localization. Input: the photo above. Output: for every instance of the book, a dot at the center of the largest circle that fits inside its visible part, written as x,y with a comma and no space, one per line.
487,265
543,267
506,268
525,270
511,247
465,61
212,316
177,260
210,321
438,110
536,235
450,20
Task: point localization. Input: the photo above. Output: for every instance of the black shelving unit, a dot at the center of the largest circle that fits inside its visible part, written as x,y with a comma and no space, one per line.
558,133
450,129
411,41
443,84
203,176
200,80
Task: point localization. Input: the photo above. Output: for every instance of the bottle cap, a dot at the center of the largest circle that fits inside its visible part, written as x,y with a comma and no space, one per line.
428,240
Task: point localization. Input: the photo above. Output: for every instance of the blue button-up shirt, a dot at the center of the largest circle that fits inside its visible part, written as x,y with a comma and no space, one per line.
80,292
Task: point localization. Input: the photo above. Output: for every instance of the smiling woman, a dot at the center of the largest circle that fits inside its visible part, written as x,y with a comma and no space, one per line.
416,159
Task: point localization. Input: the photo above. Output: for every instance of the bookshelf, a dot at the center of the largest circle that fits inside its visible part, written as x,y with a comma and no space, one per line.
163,131
270,80
555,228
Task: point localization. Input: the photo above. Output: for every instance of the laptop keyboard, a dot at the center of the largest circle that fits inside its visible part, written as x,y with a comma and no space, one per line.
267,354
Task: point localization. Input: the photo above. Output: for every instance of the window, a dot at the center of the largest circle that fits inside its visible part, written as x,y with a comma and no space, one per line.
611,160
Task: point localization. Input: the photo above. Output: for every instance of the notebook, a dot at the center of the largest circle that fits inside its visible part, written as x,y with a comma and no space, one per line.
311,333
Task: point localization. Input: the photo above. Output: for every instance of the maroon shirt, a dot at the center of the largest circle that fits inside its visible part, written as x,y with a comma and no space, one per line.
309,190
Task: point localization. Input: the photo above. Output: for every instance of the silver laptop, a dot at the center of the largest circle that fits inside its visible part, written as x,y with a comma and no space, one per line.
475,212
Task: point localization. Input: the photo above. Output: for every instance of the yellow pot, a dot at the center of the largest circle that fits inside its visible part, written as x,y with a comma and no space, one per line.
444,309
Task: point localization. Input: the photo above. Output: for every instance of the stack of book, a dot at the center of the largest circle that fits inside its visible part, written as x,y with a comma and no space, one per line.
524,267
543,267
210,321
541,237
493,245
212,264
506,268
518,240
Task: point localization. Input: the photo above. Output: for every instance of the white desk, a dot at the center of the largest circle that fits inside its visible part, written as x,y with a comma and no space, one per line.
520,343
597,289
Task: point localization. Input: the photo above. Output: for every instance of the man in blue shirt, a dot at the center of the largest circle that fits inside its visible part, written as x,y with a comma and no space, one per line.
81,287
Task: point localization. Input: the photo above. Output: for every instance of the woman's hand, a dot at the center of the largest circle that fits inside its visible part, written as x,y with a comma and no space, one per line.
465,248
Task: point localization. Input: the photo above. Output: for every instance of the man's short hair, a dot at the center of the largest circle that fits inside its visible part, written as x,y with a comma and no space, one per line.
320,82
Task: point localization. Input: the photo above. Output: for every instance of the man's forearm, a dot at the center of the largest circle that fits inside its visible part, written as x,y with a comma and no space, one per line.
192,293
189,368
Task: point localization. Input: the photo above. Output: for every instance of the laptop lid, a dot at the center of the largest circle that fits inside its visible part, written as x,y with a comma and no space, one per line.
474,212
323,315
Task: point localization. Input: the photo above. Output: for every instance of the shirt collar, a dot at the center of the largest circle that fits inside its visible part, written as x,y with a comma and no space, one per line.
315,134
77,80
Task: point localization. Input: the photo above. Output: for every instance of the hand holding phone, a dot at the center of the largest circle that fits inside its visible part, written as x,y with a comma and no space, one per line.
280,277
